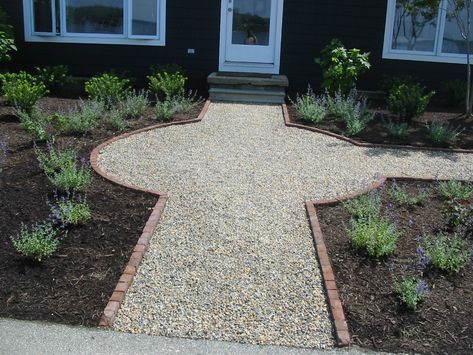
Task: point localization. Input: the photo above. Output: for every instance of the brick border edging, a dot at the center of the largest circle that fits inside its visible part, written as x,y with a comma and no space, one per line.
342,332
289,123
111,310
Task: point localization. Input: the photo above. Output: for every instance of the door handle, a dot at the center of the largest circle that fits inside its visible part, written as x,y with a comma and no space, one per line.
230,9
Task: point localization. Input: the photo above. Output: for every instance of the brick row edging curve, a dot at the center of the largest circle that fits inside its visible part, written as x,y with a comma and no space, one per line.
342,333
118,295
289,123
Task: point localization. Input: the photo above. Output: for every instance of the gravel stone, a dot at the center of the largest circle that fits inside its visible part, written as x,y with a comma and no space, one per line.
233,257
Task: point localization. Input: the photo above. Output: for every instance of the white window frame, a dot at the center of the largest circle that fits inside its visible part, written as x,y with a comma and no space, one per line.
435,56
94,38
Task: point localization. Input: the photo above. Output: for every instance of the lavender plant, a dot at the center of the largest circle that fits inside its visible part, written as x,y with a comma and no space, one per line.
365,206
134,104
402,197
310,108
398,130
36,122
455,189
70,210
440,133
116,120
72,178
38,242
81,120
447,254
54,160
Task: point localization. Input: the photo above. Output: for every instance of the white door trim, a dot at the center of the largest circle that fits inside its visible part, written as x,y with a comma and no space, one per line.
248,67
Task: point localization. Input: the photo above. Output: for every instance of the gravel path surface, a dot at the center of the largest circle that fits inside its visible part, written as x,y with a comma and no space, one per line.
233,257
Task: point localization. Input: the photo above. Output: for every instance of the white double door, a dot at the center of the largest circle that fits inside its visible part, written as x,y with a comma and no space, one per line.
251,34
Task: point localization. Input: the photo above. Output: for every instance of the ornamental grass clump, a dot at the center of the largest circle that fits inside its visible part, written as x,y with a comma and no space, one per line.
37,123
22,90
108,89
455,189
310,108
441,133
38,242
447,254
408,100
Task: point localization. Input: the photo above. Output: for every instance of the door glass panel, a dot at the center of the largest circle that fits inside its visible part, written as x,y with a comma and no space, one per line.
251,22
43,21
144,17
95,16
453,40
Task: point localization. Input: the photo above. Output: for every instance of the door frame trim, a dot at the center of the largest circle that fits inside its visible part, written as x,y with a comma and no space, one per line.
248,67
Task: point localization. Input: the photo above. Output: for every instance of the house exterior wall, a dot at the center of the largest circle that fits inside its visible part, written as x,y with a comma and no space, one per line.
308,25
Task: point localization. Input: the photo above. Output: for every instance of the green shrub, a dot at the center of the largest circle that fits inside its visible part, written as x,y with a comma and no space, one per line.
36,123
411,291
134,105
351,110
454,93
55,77
167,85
364,207
166,109
341,67
107,88
377,236
72,178
71,211
169,68
389,83
54,160
398,130
116,120
440,133
22,90
85,118
402,197
7,42
408,100
449,255
310,108
455,189
38,242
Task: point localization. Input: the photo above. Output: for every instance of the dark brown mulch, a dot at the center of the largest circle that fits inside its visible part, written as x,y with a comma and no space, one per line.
443,324
376,132
74,285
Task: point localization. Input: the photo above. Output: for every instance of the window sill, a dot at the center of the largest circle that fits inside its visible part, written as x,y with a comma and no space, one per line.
426,57
96,40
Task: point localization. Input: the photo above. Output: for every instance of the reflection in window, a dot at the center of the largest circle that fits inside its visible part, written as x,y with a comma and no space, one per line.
144,18
251,22
453,40
94,16
414,29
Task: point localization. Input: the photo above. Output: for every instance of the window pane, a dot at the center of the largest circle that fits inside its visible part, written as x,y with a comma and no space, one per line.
43,21
453,42
144,20
251,22
95,16
414,30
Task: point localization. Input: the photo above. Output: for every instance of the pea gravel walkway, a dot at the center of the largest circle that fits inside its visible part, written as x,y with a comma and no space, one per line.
233,257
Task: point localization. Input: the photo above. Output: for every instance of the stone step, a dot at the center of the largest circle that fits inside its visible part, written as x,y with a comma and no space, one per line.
250,96
247,87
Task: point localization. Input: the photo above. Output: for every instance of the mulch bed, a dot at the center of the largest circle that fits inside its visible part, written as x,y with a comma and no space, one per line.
376,318
74,285
376,133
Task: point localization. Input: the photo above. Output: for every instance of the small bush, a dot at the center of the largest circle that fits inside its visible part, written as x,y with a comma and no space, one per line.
411,291
166,85
54,78
310,108
440,133
135,104
341,67
107,88
408,100
36,123
398,130
389,83
402,197
166,109
72,178
22,90
38,242
454,93
455,189
459,214
70,211
81,120
115,120
376,236
54,160
7,46
364,207
447,255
